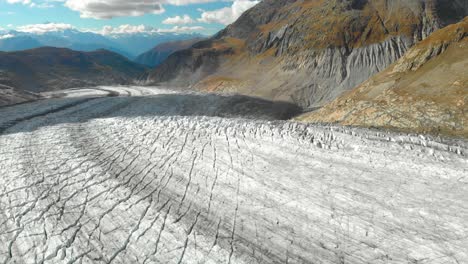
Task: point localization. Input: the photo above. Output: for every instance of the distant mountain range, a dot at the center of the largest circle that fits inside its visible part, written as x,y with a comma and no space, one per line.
128,45
158,54
24,74
46,69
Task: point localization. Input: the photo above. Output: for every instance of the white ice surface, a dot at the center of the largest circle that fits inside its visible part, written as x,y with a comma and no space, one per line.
125,180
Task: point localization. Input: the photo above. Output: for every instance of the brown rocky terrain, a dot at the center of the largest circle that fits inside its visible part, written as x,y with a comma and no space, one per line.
425,91
307,51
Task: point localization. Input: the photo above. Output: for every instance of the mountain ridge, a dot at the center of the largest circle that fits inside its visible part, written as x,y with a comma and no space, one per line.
48,68
307,52
425,91
159,53
128,45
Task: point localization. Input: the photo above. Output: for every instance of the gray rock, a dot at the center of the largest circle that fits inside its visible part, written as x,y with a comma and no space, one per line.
310,70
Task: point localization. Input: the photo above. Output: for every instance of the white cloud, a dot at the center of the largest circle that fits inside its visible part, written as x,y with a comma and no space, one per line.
125,29
227,15
142,29
7,36
42,4
178,29
24,2
186,2
178,20
106,30
106,9
43,28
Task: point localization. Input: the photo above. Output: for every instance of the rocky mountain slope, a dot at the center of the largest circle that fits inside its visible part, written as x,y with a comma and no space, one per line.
46,69
307,51
9,95
158,54
425,91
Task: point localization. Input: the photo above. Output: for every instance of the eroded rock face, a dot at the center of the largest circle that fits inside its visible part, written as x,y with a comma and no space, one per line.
425,91
308,52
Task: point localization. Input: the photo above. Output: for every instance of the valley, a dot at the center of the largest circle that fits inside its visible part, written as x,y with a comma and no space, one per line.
126,174
234,131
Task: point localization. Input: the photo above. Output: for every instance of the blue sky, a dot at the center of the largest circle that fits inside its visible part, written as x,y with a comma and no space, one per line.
202,16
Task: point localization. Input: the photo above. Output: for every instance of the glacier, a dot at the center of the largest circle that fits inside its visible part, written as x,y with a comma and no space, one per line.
151,175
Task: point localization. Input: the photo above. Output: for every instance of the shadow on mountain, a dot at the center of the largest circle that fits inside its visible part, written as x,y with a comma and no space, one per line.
76,110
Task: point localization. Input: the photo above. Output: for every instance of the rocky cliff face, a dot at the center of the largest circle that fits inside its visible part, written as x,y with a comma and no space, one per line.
425,91
308,51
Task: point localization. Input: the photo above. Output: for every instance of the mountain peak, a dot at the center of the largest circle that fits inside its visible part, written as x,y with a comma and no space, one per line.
344,23
308,51
158,54
129,45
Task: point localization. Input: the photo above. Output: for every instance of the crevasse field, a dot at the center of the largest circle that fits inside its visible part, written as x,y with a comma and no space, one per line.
145,175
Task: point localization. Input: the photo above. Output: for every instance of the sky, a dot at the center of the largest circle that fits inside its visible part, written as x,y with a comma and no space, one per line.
121,16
